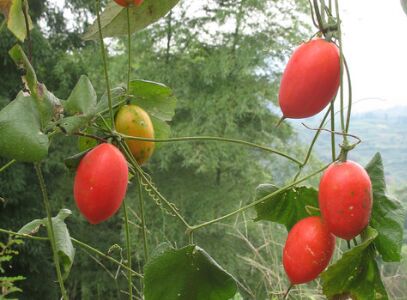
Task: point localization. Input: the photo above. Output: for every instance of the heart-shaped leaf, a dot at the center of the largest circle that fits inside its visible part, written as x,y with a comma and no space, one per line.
388,214
114,18
185,274
82,99
21,137
356,273
288,207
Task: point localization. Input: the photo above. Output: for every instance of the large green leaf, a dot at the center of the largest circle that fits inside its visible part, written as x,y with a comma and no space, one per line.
49,106
65,249
285,208
155,98
356,273
404,5
114,18
82,99
187,274
388,214
13,11
21,137
80,107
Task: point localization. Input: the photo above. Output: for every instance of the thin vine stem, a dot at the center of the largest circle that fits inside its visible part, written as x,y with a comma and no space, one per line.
50,229
103,50
142,217
350,99
75,241
333,144
311,146
243,208
128,249
128,48
342,115
213,138
7,165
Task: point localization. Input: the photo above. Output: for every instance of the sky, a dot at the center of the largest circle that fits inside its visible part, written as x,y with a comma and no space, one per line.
375,45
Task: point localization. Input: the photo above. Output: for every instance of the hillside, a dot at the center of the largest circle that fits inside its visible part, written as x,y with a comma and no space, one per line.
381,131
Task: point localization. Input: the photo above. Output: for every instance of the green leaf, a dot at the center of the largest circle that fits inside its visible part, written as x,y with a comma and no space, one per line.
21,137
82,99
32,227
187,274
16,21
388,214
80,106
114,18
161,130
48,105
155,98
65,249
73,124
117,97
356,273
285,208
404,5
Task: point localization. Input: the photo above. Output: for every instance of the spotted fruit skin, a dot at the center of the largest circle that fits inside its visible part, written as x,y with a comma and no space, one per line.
132,120
101,183
308,249
345,199
310,80
126,3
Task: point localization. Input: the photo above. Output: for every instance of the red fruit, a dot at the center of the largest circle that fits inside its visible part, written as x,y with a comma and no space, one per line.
126,3
345,199
308,250
310,80
100,183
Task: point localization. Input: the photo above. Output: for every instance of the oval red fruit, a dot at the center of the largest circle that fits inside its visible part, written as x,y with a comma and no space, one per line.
310,80
308,250
126,3
345,199
101,183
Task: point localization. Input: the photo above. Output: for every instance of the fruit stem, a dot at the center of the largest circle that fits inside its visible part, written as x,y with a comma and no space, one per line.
128,48
103,50
287,292
50,229
280,121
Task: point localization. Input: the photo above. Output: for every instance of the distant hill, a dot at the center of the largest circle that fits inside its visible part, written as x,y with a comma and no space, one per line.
382,131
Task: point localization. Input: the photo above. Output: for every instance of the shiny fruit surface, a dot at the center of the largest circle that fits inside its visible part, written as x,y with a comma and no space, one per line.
101,183
310,80
308,249
345,198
